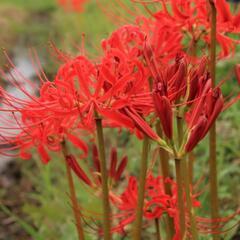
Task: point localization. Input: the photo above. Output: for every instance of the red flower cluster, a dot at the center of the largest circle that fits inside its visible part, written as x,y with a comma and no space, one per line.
189,22
157,204
119,90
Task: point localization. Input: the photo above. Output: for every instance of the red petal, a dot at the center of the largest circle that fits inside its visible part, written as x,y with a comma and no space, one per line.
43,154
121,168
117,117
78,143
96,161
223,9
196,133
72,162
113,163
141,124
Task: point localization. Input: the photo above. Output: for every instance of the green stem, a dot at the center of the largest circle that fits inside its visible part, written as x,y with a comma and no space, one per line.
179,178
182,173
193,49
104,178
212,136
191,160
164,161
75,206
141,190
191,154
193,225
213,42
158,236
180,201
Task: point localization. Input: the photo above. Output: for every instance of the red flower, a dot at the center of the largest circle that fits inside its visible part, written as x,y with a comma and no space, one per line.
156,203
191,19
40,121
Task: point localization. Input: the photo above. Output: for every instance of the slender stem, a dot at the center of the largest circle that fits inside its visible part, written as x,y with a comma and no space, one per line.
141,190
75,205
183,179
158,235
104,178
164,161
179,178
191,160
213,42
192,220
180,201
193,48
212,136
191,154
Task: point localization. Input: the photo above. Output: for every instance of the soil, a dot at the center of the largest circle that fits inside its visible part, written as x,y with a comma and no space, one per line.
14,189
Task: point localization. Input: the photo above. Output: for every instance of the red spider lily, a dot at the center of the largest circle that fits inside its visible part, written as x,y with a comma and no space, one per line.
72,5
44,135
102,89
42,122
156,203
191,18
80,89
164,41
113,84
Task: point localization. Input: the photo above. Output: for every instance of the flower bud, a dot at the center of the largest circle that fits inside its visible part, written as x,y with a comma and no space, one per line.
164,112
196,133
73,164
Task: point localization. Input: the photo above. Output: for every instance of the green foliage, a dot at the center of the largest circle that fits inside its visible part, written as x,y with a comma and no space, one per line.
31,5
27,227
49,205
